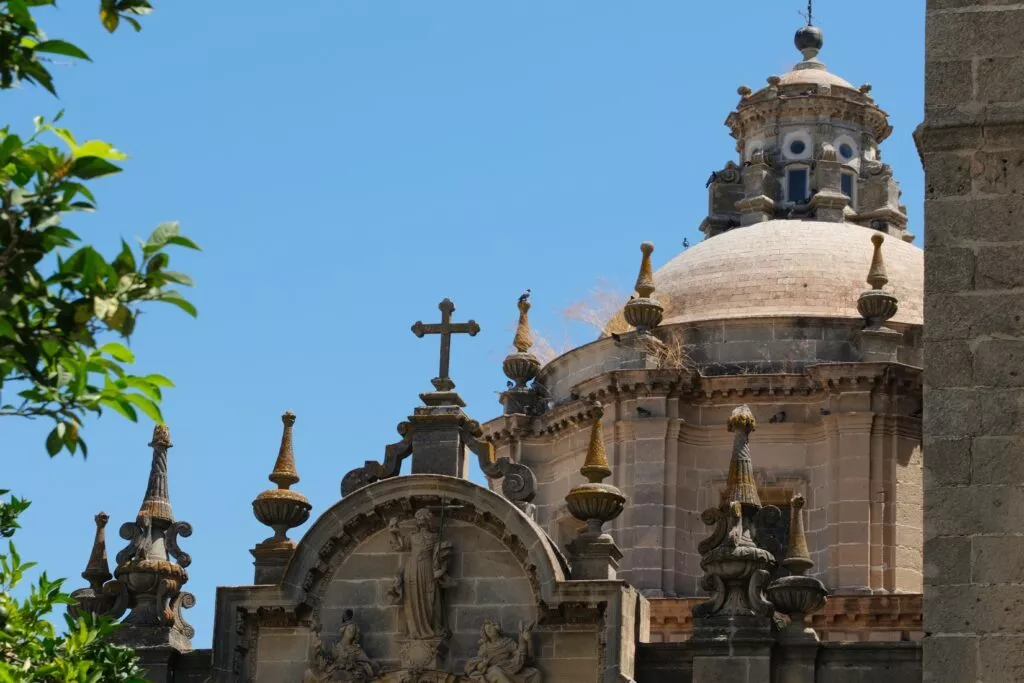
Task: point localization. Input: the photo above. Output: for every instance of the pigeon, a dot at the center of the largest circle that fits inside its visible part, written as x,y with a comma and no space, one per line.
525,296
509,384
686,243
643,412
778,417
574,396
824,411
616,336
711,179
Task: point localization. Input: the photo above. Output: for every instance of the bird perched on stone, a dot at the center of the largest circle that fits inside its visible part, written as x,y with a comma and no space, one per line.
509,384
616,336
686,243
711,179
824,411
778,417
525,296
643,412
574,396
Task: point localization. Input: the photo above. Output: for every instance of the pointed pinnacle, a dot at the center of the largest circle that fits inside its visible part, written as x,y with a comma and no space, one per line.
285,474
877,276
157,502
596,467
97,570
645,280
798,559
524,338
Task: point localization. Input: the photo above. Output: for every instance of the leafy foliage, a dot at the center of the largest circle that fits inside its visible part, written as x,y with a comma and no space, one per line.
65,310
30,648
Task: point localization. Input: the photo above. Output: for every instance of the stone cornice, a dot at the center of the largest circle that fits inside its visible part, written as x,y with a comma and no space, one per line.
816,382
672,618
761,110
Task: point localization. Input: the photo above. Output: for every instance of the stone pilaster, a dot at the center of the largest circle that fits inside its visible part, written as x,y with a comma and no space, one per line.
972,148
757,204
828,203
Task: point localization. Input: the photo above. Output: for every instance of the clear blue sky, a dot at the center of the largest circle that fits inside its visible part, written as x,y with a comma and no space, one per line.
345,165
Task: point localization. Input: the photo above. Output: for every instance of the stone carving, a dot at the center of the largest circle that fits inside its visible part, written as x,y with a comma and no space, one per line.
419,589
501,658
736,568
345,660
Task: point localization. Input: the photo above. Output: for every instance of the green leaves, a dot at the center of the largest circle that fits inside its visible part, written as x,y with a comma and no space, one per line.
31,649
60,47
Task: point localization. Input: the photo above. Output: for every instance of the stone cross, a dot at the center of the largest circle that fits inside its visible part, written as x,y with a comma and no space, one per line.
446,328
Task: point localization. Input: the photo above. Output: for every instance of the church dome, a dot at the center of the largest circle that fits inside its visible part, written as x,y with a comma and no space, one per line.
820,76
786,268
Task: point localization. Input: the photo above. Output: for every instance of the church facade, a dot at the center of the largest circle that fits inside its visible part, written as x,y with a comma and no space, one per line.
726,486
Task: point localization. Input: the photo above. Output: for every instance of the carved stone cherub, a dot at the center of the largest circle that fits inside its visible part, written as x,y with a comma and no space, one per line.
345,661
502,659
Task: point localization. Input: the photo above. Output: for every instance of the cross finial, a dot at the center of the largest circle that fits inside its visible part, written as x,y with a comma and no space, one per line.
446,328
810,13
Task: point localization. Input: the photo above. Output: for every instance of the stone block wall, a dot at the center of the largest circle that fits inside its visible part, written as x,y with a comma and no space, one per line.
972,148
847,443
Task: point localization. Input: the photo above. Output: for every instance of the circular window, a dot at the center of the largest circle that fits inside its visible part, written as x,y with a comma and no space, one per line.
846,151
797,147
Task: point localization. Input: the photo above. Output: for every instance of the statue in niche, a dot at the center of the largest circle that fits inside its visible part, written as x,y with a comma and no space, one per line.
345,661
501,658
420,584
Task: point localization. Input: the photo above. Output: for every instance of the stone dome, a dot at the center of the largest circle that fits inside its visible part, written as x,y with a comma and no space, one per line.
786,268
820,76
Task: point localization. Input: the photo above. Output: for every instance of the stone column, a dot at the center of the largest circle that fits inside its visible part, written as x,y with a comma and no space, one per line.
757,204
972,148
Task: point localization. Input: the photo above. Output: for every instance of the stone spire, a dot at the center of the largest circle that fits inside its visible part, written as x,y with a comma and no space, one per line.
281,509
643,311
149,582
741,486
797,595
736,564
593,553
97,570
157,502
94,599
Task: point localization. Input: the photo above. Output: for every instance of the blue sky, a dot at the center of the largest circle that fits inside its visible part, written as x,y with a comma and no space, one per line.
345,165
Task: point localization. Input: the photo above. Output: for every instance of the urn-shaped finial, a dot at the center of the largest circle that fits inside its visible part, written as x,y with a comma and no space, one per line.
797,595
281,508
521,366
876,305
642,311
595,502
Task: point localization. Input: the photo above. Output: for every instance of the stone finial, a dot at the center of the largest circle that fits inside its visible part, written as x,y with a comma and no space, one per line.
798,559
594,553
149,583
741,486
877,276
284,474
645,279
280,508
797,595
642,311
595,467
744,91
97,570
523,339
876,305
157,502
521,366
828,152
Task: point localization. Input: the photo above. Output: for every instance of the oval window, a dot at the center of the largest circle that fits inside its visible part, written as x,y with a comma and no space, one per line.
846,151
797,147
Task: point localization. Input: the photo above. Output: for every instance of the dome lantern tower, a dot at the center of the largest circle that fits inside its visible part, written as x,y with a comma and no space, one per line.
808,150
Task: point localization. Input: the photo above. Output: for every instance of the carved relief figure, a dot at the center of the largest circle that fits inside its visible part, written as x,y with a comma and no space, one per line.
502,659
419,586
346,661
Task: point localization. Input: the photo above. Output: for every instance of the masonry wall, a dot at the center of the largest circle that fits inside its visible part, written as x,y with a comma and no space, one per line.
972,148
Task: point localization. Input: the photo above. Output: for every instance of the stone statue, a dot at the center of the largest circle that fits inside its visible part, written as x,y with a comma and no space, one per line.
346,661
419,586
502,659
